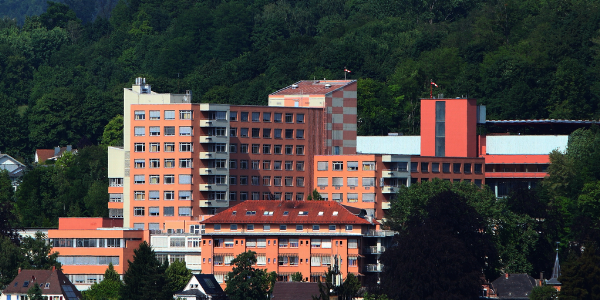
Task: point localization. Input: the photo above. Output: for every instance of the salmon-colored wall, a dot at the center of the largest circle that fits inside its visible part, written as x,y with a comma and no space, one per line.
88,223
517,159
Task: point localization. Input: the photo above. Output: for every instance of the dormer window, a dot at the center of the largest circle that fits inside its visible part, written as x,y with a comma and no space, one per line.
320,213
303,213
335,213
285,213
234,212
251,213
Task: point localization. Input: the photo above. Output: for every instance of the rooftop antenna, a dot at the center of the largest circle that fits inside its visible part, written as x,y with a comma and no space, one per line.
431,88
346,71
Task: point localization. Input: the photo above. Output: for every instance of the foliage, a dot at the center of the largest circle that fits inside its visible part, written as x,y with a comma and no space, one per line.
35,292
441,252
315,196
107,289
177,275
349,289
297,277
368,296
580,278
8,220
247,282
113,132
10,256
144,278
544,292
35,252
325,288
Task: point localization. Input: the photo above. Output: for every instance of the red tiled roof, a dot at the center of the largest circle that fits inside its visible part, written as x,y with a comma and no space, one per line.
310,87
44,154
55,278
293,209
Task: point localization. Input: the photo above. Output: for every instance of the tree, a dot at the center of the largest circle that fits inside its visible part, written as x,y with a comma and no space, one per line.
544,292
34,292
36,255
440,254
107,289
178,275
246,282
349,288
8,220
297,277
10,257
315,196
580,278
113,132
145,277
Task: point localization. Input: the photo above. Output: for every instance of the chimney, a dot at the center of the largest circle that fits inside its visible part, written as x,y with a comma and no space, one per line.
53,268
56,151
19,271
69,148
506,276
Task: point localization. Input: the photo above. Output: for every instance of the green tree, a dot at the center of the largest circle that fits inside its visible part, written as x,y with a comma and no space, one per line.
580,278
35,252
247,282
113,132
8,219
315,196
144,278
297,277
178,275
107,289
57,15
544,292
34,292
10,257
349,288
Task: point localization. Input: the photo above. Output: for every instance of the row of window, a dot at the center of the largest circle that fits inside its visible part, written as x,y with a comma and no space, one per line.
266,180
167,195
266,117
168,115
168,211
282,227
175,242
91,243
266,133
169,147
167,179
477,182
167,131
457,168
88,260
277,165
288,196
184,163
350,181
350,166
266,149
350,197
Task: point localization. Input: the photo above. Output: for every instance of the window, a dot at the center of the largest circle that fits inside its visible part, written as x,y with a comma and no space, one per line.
255,148
352,181
315,243
139,179
349,227
446,167
139,211
185,115
185,147
266,165
243,164
185,163
233,164
233,132
255,116
169,195
337,181
185,130
267,180
169,130
299,149
337,197
255,132
277,133
435,167
117,197
153,211
300,166
266,149
467,168
154,179
299,227
352,261
368,197
232,196
300,133
289,181
289,133
282,227
255,181
169,163
478,168
289,149
352,197
300,118
244,132
456,167
232,180
154,115
244,148
277,118
424,167
267,133
322,181
115,182
289,165
332,227
289,118
139,195
414,166
322,166
169,147
139,131
300,181
368,181
277,149
244,180
352,243
169,179
154,147
140,115
233,227
169,115
338,166
139,147
352,166
221,148
154,163
185,211
277,165
233,115
368,166
277,181
154,130
139,163
185,179
244,116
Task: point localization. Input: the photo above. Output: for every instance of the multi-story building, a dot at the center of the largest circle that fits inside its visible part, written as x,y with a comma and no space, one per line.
293,236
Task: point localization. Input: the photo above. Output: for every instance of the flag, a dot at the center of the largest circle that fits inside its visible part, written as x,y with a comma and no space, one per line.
346,70
434,84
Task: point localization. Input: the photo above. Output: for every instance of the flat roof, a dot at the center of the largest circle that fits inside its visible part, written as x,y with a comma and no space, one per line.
313,87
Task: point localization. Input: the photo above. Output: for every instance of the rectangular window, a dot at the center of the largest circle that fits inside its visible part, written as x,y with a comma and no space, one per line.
116,197
299,149
185,211
169,115
232,180
233,164
352,243
243,164
267,180
300,181
277,118
338,166
352,197
140,115
446,167
315,243
169,130
424,167
322,166
478,168
440,128
266,149
139,131
322,181
169,163
277,165
277,149
139,211
456,167
185,115
289,149
185,130
168,211
300,166
155,115
232,148
154,130
244,180
185,179
139,195
185,195
255,181
154,147
255,116
277,133
289,133
154,179
352,181
337,197
233,116
244,116
139,147
266,117
169,179
233,132
266,165
154,211
337,181
244,132
368,197
139,179
185,163
255,148
115,182
368,166
169,147
368,181
289,165
289,181
352,166
467,168
435,167
277,181
289,118
300,133
169,195
185,147
414,167
139,163
300,118
255,132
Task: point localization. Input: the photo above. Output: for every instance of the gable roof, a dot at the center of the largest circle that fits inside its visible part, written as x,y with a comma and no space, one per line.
313,87
43,155
57,283
286,212
209,284
295,290
513,286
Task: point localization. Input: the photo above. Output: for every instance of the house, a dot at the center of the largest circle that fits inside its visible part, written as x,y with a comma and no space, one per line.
201,286
512,286
295,290
14,167
53,283
42,155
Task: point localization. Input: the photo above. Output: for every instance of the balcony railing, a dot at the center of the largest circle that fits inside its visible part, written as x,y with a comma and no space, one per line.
374,268
379,233
375,249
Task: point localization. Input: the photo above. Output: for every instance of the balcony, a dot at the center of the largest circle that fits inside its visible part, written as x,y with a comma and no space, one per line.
374,268
213,187
390,189
213,139
386,205
395,173
375,250
213,123
213,171
214,203
213,155
379,233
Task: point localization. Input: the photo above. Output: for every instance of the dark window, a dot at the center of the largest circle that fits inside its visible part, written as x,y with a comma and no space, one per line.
233,115
255,132
424,167
440,128
478,182
300,133
289,118
266,117
456,167
267,133
435,167
414,166
244,132
467,169
255,117
277,133
277,118
244,116
300,118
277,149
446,167
289,133
478,168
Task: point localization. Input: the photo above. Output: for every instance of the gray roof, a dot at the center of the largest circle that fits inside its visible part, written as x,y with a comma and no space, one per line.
209,284
555,273
295,290
513,286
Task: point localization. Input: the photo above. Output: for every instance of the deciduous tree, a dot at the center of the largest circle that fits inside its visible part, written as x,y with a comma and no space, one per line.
247,282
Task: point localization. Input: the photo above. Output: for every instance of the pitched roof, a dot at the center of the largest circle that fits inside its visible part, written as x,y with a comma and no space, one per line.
52,282
295,290
286,212
555,272
313,87
44,154
513,286
209,284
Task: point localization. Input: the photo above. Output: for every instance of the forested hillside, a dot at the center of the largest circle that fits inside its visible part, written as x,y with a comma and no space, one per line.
61,73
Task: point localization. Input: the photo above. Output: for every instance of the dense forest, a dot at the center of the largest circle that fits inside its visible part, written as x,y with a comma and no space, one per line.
62,70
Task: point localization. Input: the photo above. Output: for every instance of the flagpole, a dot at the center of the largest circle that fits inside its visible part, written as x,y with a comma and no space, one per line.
430,89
